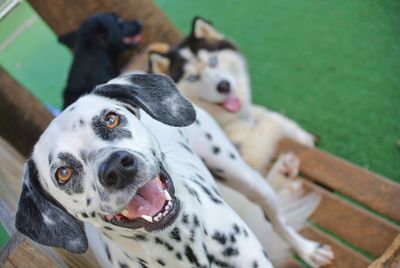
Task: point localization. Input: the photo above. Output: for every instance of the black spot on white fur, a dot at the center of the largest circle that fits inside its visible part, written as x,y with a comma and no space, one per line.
216,149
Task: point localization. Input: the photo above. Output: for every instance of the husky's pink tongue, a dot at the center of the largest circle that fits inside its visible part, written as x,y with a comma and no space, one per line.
149,200
232,104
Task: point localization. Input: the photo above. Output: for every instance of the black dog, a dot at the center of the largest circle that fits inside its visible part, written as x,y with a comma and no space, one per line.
96,44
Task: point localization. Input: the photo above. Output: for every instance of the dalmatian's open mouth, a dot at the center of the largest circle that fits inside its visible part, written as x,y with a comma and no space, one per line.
153,207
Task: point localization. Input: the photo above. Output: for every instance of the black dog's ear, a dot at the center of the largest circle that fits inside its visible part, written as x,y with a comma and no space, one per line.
203,29
69,39
155,94
43,219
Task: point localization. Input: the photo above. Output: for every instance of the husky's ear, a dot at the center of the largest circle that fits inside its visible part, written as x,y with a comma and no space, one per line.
43,219
158,63
68,39
156,94
204,29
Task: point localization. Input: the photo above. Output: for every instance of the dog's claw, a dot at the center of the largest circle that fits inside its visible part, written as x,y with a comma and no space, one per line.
289,165
316,254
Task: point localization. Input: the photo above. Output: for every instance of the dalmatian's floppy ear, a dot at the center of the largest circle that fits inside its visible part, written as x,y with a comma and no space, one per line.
204,29
43,219
156,94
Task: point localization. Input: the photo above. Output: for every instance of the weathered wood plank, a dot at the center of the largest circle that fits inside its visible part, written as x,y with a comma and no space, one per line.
11,165
26,255
22,117
65,15
344,256
71,260
391,258
356,225
370,189
290,263
8,264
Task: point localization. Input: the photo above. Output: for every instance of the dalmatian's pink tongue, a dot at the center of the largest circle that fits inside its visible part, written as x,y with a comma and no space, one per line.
232,104
149,200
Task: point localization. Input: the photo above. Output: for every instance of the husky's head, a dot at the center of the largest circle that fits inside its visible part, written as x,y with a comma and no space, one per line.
207,68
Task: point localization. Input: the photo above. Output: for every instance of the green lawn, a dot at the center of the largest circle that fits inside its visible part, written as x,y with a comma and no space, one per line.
334,66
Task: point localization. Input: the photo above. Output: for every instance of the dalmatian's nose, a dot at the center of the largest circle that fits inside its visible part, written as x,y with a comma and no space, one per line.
118,170
224,87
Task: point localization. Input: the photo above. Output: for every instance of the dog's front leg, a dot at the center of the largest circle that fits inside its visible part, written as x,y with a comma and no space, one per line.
222,158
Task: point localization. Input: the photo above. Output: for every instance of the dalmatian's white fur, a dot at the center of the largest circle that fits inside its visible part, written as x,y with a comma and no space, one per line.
157,145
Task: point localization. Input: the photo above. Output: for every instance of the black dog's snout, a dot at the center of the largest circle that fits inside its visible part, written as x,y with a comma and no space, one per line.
118,170
138,24
224,87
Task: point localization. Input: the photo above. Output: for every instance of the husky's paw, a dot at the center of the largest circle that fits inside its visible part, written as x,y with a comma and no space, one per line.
316,254
288,165
306,138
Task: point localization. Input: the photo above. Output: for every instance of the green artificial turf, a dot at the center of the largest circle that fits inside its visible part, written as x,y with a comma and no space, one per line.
35,58
3,236
333,66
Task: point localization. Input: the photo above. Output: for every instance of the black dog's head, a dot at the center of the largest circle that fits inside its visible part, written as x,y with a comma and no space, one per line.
105,30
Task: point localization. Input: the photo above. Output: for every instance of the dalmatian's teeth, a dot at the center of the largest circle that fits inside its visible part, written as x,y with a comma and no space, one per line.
147,218
167,196
156,219
125,212
165,212
168,206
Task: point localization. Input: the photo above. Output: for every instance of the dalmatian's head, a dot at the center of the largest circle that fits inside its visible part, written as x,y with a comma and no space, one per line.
97,163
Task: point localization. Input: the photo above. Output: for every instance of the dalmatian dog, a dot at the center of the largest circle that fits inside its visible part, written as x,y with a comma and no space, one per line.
122,170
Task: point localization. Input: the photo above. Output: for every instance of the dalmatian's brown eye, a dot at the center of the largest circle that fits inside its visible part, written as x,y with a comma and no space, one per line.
112,120
64,174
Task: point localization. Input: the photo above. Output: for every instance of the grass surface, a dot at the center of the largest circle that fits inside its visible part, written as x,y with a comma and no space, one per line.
3,236
34,58
334,66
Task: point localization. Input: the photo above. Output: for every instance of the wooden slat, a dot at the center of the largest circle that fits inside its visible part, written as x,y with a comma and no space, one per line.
391,258
71,260
22,117
374,191
8,264
66,15
11,165
26,255
289,263
344,256
356,225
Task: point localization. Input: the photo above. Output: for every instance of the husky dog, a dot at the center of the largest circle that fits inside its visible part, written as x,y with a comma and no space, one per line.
212,73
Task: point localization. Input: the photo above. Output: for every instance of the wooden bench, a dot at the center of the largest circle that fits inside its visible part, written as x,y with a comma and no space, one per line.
359,214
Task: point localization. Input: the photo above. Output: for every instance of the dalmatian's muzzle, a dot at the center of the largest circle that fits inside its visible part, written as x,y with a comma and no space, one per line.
153,206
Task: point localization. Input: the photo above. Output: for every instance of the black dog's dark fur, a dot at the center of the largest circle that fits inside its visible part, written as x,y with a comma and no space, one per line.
96,44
